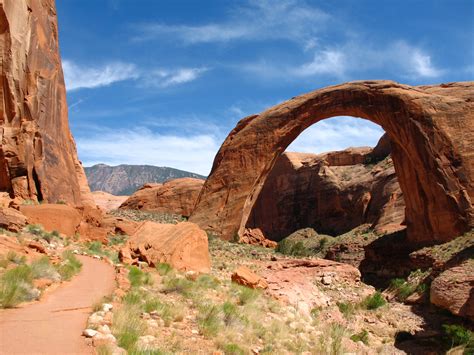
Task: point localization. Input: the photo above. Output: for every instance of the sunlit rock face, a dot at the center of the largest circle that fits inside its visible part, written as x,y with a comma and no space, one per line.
431,129
38,157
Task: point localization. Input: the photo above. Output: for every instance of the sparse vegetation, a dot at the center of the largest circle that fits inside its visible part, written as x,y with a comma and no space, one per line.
128,326
294,248
363,336
457,335
38,231
374,301
70,266
164,269
16,286
117,239
138,277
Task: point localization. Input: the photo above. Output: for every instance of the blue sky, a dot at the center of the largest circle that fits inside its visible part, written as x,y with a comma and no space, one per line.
162,82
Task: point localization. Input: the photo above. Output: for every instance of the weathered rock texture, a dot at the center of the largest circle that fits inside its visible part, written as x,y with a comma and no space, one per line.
431,129
332,193
454,290
246,277
107,201
176,196
38,157
184,246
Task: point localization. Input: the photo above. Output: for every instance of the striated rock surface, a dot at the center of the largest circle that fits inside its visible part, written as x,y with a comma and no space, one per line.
256,237
38,159
175,197
126,179
454,290
11,219
332,193
431,130
108,201
184,246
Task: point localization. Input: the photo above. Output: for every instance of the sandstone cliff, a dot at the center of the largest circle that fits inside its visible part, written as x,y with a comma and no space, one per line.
38,159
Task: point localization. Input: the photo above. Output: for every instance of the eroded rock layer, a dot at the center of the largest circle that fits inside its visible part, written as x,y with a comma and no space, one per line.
431,129
332,193
38,159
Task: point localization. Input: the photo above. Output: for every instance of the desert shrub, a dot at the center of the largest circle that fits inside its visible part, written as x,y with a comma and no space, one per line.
289,247
16,286
230,313
208,319
4,262
456,335
207,281
346,308
374,301
169,313
15,258
363,336
402,289
117,239
94,247
138,277
179,285
127,326
246,295
337,333
232,349
164,268
133,297
42,268
38,231
70,266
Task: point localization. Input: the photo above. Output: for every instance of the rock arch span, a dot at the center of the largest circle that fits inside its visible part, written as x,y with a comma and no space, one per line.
432,134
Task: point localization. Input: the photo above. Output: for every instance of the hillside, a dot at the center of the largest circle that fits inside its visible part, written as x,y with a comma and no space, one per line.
125,179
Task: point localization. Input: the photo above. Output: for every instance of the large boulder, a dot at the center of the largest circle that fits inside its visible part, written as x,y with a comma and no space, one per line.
176,196
106,201
184,246
454,290
11,219
62,218
38,159
332,193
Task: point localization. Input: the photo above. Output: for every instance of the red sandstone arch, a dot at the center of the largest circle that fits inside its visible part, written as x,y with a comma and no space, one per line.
432,134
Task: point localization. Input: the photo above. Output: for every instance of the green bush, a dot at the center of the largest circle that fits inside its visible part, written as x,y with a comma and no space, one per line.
457,335
363,336
42,268
374,301
127,326
232,349
346,308
15,258
230,312
207,281
402,289
16,286
208,320
117,239
69,267
179,285
138,277
289,247
164,269
246,295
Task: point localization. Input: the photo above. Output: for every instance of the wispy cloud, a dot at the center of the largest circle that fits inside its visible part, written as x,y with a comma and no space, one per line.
79,77
166,77
292,20
143,146
352,58
336,134
90,77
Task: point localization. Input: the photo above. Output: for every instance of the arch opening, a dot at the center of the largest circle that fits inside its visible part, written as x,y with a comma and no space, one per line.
335,176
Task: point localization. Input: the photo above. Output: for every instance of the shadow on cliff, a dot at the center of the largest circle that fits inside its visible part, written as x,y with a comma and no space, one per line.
389,257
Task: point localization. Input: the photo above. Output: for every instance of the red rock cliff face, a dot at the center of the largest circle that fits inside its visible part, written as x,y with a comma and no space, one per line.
38,157
432,133
332,193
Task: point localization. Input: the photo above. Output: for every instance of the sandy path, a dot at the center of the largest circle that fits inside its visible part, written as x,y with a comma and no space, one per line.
54,325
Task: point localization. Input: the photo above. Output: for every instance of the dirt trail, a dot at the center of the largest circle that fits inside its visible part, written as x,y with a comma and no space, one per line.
54,325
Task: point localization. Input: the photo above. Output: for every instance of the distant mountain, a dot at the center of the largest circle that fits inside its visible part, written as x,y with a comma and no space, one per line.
126,179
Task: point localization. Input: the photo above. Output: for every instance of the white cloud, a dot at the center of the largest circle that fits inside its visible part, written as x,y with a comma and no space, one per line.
193,153
82,77
324,62
291,20
337,133
79,77
167,77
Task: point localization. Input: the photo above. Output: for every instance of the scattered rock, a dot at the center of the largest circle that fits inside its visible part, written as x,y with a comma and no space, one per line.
89,333
12,220
255,237
246,277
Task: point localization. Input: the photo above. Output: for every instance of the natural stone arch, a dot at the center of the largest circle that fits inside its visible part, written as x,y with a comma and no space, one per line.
432,134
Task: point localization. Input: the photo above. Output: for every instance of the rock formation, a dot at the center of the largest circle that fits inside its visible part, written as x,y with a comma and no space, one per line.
176,196
107,201
184,246
332,193
38,159
431,130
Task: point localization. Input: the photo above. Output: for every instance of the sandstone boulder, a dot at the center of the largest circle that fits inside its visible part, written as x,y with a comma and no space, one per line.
184,246
62,218
11,219
176,196
256,237
246,277
454,290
